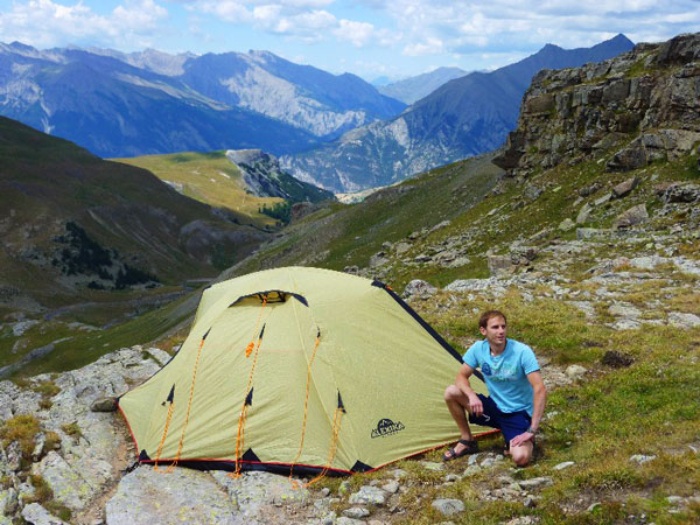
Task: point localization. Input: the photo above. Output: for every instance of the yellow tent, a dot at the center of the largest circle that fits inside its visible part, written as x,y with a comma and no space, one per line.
298,369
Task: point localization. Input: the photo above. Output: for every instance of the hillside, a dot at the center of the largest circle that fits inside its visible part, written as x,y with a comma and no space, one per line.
78,230
242,181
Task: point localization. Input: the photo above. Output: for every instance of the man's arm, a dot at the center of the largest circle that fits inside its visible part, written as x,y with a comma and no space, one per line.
539,400
462,381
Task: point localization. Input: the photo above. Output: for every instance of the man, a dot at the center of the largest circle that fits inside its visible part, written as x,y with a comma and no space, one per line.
517,394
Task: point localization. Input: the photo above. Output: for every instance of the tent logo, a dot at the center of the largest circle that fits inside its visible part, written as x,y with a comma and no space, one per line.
386,427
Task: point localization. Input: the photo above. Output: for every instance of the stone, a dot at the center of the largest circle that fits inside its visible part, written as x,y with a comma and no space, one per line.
625,188
391,487
104,404
38,515
499,264
419,288
567,225
534,483
448,507
584,214
624,310
642,458
356,512
180,496
632,217
564,465
682,193
13,456
9,502
368,495
685,320
68,485
575,371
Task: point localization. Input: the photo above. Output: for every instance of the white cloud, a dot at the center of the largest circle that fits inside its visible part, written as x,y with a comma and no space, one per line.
128,25
429,46
519,24
358,34
481,34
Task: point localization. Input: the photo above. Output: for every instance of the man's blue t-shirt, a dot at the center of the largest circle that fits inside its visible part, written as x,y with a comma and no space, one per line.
506,374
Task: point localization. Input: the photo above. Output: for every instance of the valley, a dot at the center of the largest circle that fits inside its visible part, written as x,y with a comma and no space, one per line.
584,226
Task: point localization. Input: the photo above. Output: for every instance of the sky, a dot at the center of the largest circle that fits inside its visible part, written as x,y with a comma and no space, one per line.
393,39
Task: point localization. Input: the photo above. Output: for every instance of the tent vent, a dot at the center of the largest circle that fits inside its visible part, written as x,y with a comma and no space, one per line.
143,456
249,398
271,296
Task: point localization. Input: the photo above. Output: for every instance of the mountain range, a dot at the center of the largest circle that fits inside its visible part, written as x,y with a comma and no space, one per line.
466,116
120,105
335,131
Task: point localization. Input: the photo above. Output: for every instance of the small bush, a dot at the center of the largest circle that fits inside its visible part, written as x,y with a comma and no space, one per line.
72,429
23,429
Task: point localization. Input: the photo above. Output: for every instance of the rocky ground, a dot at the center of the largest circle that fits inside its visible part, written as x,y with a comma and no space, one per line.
631,278
87,465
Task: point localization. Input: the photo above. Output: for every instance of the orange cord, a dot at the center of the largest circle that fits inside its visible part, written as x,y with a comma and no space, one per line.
168,418
306,404
181,443
240,437
332,449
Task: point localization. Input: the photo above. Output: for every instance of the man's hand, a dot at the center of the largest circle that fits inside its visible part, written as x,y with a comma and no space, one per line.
476,407
522,438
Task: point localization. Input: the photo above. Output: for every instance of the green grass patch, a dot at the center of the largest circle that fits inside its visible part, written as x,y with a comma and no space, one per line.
209,178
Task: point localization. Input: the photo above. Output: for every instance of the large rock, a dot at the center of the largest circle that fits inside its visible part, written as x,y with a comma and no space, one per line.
647,114
145,497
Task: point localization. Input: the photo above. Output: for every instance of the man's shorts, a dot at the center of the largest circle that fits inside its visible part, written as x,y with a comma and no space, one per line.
510,424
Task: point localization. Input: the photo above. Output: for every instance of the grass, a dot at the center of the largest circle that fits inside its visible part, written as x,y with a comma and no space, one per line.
648,408
209,178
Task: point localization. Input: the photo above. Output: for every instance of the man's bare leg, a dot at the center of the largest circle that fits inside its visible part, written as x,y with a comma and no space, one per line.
458,403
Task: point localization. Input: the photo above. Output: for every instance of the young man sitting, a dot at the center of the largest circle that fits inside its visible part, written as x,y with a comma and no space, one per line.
517,394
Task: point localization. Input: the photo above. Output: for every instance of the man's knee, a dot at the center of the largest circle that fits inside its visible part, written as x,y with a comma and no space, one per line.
452,392
521,455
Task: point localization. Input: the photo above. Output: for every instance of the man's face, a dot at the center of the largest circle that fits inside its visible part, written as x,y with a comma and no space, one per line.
495,331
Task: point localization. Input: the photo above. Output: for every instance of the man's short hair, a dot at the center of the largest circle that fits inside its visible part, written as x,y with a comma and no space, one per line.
488,315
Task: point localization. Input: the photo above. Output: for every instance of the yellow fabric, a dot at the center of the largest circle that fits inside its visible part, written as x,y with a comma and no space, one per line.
352,341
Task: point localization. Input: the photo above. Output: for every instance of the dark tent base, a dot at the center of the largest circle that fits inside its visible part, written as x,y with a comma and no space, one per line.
250,462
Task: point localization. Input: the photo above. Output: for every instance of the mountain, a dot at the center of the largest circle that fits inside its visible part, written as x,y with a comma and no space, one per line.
75,227
411,89
467,116
323,104
119,105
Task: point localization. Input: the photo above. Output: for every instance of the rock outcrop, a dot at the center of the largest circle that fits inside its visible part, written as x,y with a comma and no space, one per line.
644,105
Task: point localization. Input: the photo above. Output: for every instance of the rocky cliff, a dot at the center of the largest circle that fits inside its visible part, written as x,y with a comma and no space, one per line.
644,104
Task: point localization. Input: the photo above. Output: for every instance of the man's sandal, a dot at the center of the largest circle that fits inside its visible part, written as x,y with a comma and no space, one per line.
470,447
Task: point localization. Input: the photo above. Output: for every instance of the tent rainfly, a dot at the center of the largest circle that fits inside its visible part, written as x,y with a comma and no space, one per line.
298,370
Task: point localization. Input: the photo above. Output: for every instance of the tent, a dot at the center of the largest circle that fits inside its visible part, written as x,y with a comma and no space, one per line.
297,369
